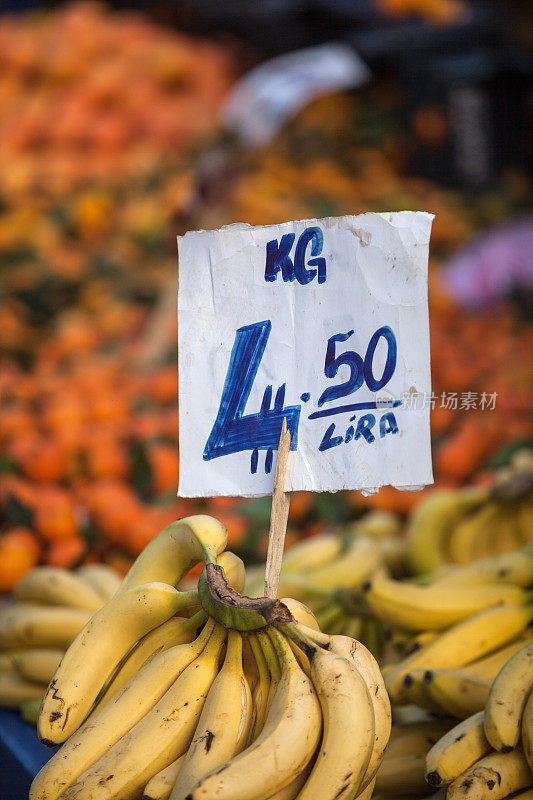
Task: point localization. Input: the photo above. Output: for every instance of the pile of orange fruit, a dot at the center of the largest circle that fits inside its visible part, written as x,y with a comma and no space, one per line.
89,209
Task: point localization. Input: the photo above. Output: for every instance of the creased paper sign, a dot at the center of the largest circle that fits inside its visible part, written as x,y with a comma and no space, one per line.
322,322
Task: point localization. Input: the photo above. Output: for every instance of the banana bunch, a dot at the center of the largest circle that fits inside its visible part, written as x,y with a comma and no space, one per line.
490,753
50,608
326,571
206,693
456,526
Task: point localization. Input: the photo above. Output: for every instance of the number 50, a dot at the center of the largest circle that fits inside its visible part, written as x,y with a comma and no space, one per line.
360,371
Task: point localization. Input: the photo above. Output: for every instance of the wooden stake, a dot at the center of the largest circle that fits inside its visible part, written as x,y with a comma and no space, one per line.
278,516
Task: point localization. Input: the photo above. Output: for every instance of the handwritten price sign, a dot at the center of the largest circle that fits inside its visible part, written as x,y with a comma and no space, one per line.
321,322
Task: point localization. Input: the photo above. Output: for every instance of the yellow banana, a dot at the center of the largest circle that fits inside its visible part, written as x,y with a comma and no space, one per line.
464,542
103,579
175,550
348,738
415,691
456,693
457,750
6,664
487,668
378,524
432,522
418,737
58,587
27,625
261,689
158,739
106,725
292,790
160,786
402,775
495,776
422,608
273,664
507,700
527,731
110,633
301,612
14,690
350,569
224,724
37,665
287,741
367,793
368,667
461,644
177,630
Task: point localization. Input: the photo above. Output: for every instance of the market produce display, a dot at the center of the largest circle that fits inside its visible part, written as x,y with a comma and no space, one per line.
269,708
50,607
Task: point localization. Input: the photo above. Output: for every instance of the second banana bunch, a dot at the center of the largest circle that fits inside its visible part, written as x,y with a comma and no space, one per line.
206,693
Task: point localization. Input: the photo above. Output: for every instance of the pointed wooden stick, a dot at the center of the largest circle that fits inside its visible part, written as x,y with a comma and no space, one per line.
278,516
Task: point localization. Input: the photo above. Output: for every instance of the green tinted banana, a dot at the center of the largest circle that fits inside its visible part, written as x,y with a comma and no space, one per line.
175,550
158,739
421,608
37,665
432,522
224,724
29,710
457,750
465,538
507,700
177,630
288,740
110,634
464,642
58,587
527,731
496,776
348,738
27,625
104,727
456,693
103,579
14,690
160,786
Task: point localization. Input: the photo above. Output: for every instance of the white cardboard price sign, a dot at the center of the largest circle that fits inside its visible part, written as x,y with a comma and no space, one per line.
321,322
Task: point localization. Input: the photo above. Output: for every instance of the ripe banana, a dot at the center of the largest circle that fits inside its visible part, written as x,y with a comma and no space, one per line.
463,643
301,612
27,625
351,568
292,790
177,630
14,690
104,580
160,786
58,587
348,738
422,608
261,689
418,737
111,633
106,725
6,664
487,668
288,740
527,731
158,739
456,693
507,700
224,724
37,665
432,523
402,775
465,538
495,776
175,550
457,750
515,567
